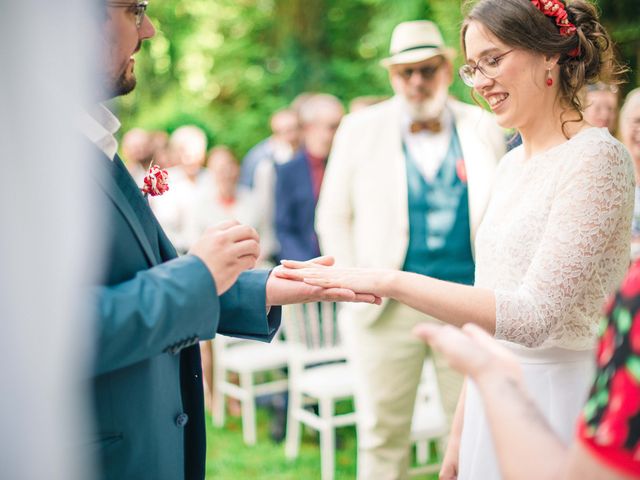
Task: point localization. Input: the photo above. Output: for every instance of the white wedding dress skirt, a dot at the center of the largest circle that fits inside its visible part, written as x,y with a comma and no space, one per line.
558,381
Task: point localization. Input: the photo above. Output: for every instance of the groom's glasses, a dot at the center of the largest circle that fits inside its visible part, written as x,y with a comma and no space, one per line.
138,9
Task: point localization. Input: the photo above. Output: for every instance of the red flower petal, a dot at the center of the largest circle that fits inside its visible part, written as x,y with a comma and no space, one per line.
631,284
606,346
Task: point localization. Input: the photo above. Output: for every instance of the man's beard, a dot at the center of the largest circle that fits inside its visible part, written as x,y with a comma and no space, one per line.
428,109
123,84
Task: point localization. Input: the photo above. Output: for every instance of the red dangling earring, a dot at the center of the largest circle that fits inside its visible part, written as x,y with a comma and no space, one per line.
549,79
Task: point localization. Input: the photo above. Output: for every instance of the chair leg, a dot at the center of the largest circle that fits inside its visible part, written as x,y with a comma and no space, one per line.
422,452
248,409
218,395
292,442
327,440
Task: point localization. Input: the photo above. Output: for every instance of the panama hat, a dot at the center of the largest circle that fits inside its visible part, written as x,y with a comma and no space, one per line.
413,42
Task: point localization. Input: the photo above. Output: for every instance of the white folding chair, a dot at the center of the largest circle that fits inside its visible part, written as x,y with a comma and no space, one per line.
429,422
247,359
313,340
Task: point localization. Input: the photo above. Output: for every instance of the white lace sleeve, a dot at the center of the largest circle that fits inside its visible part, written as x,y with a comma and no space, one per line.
589,214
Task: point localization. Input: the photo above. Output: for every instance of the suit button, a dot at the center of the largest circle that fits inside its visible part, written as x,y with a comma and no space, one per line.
182,419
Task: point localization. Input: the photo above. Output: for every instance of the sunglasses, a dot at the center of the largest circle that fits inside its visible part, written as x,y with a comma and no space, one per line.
426,72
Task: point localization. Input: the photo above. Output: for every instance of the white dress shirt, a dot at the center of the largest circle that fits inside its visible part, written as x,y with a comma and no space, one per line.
99,125
428,149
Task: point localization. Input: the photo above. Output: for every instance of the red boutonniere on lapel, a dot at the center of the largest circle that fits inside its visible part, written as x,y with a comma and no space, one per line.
461,170
155,181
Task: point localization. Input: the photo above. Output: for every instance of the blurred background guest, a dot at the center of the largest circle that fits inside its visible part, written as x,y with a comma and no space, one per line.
160,152
137,152
258,173
219,198
174,209
630,136
278,148
365,101
298,181
601,106
296,194
406,186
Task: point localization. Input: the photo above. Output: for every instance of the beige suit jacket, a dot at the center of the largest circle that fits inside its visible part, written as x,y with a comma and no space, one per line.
362,216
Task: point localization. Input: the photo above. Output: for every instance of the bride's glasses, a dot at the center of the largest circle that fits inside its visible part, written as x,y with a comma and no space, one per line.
488,66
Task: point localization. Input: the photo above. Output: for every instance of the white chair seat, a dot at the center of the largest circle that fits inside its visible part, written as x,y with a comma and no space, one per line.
253,357
429,421
246,359
327,381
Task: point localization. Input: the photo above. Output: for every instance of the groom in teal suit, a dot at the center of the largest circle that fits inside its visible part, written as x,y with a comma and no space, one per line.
152,308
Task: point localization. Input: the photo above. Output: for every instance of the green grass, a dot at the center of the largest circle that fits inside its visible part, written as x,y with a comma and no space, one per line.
228,458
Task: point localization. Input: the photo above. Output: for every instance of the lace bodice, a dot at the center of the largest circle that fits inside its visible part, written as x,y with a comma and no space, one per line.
555,239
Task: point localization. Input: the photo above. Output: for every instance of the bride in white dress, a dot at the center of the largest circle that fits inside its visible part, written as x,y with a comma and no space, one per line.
555,238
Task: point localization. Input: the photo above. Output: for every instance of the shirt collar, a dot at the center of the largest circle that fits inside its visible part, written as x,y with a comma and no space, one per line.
99,125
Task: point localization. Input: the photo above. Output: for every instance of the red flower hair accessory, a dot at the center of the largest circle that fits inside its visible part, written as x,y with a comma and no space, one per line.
155,181
555,9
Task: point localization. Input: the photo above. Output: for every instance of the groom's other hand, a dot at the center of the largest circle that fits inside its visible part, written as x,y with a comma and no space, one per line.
227,249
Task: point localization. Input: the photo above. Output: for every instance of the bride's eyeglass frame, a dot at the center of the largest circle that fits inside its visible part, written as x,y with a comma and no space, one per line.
489,66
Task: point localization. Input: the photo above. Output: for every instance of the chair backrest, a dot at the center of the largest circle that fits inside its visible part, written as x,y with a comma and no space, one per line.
222,344
429,419
311,331
428,389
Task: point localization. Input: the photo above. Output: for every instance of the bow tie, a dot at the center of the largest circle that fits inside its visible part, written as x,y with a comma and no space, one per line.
433,125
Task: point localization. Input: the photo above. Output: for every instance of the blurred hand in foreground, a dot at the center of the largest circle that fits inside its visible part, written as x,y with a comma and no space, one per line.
471,351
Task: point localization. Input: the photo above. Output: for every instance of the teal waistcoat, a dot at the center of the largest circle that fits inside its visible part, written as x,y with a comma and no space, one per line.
439,231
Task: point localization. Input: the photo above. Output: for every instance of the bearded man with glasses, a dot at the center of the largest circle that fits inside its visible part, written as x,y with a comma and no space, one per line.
406,186
152,308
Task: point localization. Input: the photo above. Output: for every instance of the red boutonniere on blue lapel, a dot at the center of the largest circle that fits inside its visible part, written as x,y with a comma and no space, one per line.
461,170
155,181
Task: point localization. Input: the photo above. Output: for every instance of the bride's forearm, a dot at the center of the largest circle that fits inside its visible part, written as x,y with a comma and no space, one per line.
450,302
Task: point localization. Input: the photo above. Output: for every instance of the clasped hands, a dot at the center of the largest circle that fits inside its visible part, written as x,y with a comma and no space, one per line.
470,349
229,248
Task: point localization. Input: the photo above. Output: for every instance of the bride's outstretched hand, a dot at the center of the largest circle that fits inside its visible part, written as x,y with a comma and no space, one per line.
318,273
285,288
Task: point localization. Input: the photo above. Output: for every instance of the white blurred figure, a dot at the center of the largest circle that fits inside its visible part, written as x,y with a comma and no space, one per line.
258,172
276,149
175,208
630,136
137,151
601,106
220,198
48,242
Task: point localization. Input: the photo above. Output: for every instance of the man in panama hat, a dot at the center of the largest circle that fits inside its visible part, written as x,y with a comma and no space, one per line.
406,186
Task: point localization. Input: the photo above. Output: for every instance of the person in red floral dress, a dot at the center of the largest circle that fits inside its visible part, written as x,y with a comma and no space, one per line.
607,441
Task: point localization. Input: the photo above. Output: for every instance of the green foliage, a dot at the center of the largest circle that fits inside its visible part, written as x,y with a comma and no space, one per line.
622,20
228,64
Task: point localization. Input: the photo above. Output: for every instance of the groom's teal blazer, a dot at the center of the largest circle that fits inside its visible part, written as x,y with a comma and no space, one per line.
152,308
